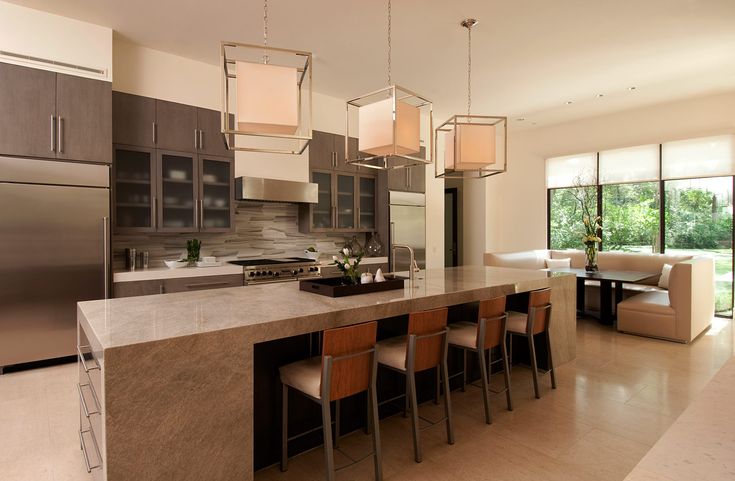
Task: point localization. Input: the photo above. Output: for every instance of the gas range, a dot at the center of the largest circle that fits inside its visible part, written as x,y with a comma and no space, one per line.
262,271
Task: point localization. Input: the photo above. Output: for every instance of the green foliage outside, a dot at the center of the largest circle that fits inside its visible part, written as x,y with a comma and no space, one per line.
698,220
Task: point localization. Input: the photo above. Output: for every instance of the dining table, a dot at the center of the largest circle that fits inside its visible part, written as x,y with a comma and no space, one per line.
606,278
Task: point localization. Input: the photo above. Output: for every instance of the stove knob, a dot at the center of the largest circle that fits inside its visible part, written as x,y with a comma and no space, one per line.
270,273
252,274
277,274
295,272
313,269
301,269
257,273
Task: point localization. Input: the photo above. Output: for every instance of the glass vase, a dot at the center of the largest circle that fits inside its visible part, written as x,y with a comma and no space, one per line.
357,249
590,254
374,247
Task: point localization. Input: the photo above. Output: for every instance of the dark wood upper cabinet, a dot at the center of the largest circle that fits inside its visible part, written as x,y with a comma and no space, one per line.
50,115
27,104
411,179
84,110
211,140
321,150
176,126
133,119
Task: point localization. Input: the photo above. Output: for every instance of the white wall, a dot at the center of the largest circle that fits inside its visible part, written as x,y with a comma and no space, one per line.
43,35
515,202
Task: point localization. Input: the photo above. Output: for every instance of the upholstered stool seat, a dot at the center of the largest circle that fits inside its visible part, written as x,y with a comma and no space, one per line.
463,334
392,352
517,322
304,376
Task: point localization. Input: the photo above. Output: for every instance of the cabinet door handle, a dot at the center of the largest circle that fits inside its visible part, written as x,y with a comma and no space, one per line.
201,139
154,218
84,362
201,214
84,450
161,289
153,124
60,134
196,139
53,133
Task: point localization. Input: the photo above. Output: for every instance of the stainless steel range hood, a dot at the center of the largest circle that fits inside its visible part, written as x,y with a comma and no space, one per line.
273,190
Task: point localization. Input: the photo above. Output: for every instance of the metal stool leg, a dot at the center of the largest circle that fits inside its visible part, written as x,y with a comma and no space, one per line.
328,452
484,374
368,418
534,368
506,375
373,416
551,361
284,428
447,403
411,379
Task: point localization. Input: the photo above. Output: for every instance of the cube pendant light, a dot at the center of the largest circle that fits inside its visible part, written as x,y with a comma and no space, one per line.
472,146
389,124
267,98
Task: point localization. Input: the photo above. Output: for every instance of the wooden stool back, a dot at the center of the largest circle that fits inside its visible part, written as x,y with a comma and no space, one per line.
430,349
539,310
350,373
493,311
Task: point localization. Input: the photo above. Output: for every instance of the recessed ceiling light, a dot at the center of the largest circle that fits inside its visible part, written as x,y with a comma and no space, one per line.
599,96
632,88
569,102
520,119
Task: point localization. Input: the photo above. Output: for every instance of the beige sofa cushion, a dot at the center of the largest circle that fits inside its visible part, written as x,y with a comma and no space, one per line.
518,260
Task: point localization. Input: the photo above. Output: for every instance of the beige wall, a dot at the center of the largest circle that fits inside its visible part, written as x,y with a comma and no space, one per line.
514,216
40,34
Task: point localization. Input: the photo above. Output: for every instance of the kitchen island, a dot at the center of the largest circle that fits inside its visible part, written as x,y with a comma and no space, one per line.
172,376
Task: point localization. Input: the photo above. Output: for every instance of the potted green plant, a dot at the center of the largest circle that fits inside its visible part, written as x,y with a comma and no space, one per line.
348,267
193,248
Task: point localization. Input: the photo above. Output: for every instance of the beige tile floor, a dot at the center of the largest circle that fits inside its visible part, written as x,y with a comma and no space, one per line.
612,404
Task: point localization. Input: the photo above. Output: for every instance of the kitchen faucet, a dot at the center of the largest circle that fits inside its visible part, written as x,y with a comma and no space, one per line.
413,267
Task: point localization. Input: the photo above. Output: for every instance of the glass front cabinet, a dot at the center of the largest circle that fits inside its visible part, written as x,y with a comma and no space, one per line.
346,203
165,191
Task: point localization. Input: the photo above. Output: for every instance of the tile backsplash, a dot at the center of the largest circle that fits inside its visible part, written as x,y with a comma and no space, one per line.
262,229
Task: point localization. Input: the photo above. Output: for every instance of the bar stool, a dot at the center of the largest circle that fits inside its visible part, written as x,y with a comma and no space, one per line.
425,348
348,366
489,332
528,325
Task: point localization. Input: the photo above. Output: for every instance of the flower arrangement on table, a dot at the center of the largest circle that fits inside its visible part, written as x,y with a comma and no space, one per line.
348,267
590,239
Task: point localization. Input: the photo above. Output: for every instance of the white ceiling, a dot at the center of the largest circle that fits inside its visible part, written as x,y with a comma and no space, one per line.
529,56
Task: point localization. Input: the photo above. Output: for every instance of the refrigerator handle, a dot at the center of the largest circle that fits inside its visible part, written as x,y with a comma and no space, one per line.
53,133
106,253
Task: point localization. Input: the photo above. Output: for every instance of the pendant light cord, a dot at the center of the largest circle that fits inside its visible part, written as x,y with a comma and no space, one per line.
469,69
389,45
265,32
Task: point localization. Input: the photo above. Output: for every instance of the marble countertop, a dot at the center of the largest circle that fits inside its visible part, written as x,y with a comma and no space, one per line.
700,445
281,309
156,273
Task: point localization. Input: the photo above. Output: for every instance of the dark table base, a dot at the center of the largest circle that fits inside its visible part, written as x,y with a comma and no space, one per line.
607,310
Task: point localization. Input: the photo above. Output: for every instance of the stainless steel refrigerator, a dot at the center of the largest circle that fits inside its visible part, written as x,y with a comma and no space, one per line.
54,252
408,227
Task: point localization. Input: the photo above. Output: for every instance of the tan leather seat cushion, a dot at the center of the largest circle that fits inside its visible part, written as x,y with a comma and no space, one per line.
655,302
305,376
463,334
392,352
517,322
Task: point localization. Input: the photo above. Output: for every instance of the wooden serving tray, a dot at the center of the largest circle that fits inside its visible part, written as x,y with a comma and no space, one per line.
332,286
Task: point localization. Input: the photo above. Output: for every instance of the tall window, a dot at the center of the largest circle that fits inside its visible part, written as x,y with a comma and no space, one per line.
699,222
631,217
694,178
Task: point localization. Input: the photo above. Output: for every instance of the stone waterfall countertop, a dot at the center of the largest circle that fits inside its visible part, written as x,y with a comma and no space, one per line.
700,445
282,310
